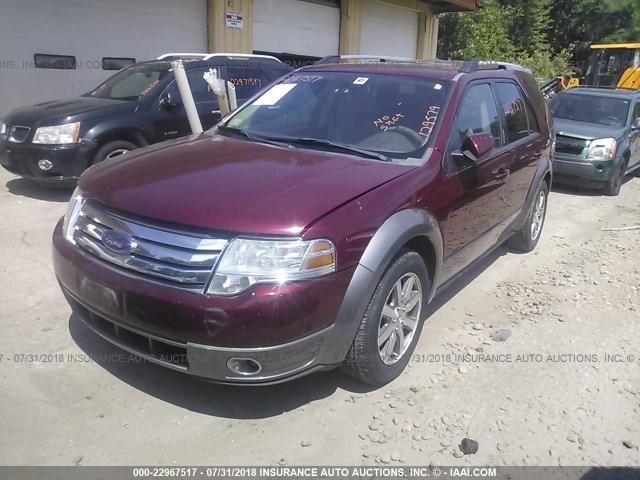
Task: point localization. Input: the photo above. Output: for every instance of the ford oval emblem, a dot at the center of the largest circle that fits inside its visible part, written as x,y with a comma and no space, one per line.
118,242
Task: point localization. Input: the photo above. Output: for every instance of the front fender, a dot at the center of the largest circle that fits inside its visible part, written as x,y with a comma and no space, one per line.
394,233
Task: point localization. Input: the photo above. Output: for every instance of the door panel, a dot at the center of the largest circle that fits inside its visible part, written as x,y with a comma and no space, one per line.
522,137
174,123
481,199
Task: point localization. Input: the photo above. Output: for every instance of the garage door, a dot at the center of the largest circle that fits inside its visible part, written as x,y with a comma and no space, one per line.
86,31
388,30
295,26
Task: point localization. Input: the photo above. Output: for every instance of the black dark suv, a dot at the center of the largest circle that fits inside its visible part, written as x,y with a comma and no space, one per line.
54,142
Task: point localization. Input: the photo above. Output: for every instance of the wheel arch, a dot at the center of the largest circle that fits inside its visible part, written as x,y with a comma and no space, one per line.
128,135
413,228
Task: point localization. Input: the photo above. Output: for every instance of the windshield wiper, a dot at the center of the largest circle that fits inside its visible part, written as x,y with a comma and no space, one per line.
252,136
286,142
321,141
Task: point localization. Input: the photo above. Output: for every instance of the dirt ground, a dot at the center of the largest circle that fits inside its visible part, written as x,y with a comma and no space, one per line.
536,357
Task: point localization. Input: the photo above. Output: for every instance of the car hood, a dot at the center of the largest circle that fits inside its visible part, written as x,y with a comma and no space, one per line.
63,111
586,131
221,183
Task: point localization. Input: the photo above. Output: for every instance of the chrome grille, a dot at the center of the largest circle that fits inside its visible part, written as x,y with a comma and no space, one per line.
179,259
570,145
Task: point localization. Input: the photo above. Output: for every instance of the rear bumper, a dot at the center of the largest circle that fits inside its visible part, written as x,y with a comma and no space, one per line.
69,161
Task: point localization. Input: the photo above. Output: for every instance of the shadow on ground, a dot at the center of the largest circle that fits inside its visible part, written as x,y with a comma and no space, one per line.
26,188
582,191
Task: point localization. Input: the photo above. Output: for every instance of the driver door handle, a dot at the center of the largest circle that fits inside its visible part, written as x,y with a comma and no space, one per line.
501,173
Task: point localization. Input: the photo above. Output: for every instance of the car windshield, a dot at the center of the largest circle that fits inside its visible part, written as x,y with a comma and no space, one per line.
591,109
382,116
132,83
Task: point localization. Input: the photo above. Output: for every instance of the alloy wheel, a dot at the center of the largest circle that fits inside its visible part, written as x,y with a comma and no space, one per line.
399,319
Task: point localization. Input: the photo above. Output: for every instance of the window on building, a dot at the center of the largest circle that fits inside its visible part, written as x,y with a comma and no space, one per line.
56,62
116,63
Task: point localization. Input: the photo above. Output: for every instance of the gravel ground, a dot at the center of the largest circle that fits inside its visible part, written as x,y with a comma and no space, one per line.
534,357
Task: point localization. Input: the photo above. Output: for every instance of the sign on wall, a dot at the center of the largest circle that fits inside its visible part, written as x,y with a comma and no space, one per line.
234,19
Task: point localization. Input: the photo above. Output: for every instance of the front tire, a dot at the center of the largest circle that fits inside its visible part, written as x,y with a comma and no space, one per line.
112,150
526,239
612,188
392,323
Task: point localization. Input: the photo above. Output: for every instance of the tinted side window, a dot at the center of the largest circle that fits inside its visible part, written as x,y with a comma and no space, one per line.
199,87
248,81
515,111
636,112
477,113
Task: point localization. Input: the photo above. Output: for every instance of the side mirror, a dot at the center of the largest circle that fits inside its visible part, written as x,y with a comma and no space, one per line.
170,100
478,144
475,146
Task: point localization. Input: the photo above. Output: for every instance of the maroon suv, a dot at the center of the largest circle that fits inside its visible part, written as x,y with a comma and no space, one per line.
311,228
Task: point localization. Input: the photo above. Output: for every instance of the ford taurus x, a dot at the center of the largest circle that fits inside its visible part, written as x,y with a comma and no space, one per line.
312,227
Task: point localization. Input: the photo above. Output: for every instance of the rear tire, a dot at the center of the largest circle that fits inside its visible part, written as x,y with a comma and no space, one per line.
612,188
526,239
392,323
112,150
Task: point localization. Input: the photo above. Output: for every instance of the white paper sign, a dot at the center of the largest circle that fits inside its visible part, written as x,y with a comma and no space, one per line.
275,93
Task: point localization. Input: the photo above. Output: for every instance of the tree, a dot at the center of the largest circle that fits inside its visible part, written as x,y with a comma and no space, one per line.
528,24
481,35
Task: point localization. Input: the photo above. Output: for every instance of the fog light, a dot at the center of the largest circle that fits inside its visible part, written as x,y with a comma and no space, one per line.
45,165
244,366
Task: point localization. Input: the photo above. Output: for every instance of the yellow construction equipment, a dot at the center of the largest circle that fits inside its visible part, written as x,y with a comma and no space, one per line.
610,65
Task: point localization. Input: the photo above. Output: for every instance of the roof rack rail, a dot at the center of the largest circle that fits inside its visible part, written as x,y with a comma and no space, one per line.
209,56
471,66
242,56
181,56
363,58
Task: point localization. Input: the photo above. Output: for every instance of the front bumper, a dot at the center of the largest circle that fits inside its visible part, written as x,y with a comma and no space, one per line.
288,330
69,161
576,171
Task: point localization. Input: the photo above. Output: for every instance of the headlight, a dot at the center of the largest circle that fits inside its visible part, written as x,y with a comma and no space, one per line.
58,134
247,262
71,217
602,149
3,128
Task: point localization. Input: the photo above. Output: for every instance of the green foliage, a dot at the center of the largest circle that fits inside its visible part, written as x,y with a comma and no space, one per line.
547,36
482,35
544,65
